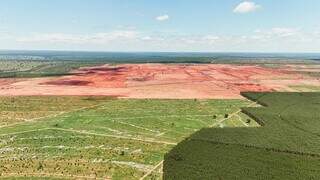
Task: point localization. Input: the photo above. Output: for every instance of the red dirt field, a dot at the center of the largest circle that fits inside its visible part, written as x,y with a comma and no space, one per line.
174,81
4,82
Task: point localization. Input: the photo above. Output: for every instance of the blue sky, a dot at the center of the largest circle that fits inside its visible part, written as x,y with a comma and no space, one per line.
166,25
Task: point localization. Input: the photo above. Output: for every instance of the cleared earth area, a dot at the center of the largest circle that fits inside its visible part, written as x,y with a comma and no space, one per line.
99,137
163,81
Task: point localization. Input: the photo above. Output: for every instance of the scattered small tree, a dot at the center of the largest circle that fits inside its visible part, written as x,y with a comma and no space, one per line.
56,125
226,115
40,166
122,153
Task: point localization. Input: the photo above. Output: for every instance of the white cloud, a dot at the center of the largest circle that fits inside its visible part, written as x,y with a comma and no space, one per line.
4,33
273,39
146,38
211,38
164,17
276,39
79,38
153,39
277,32
284,32
317,34
246,7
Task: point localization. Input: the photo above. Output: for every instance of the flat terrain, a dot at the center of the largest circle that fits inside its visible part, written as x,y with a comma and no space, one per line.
77,120
39,68
285,147
101,137
168,81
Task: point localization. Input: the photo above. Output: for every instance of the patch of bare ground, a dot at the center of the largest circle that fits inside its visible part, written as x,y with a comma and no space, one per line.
163,81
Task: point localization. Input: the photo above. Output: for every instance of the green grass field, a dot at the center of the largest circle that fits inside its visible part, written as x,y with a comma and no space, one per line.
306,88
287,146
96,137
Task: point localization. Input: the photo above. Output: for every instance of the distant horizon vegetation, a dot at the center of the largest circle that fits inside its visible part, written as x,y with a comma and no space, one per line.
150,56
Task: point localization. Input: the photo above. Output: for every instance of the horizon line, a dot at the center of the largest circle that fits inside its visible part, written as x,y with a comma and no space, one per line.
200,52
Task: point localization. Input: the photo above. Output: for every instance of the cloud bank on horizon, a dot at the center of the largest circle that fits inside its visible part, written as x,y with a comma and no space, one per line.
212,25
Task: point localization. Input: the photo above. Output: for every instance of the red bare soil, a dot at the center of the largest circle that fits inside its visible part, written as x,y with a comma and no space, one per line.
176,81
5,83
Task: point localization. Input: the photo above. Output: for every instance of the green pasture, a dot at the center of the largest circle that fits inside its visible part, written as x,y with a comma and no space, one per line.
97,137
